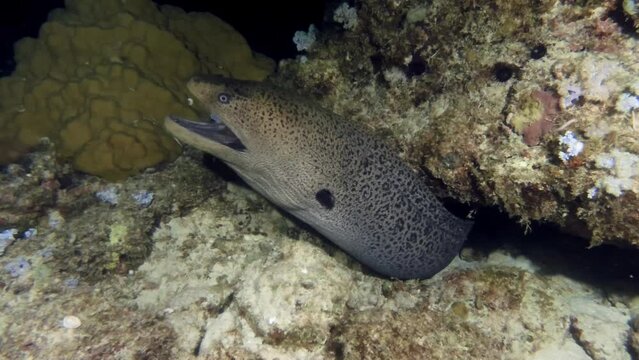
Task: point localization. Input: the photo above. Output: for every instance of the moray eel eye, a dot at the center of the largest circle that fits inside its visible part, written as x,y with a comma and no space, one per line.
224,98
325,198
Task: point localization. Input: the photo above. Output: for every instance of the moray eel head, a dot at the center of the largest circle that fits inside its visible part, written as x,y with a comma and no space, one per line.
213,136
328,172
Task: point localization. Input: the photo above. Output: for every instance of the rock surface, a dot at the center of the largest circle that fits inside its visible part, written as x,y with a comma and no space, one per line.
220,274
532,108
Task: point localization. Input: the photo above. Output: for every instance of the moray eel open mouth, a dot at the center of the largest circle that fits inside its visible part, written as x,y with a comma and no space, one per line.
214,130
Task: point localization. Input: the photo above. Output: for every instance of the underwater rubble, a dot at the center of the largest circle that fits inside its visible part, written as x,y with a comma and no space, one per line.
178,261
209,269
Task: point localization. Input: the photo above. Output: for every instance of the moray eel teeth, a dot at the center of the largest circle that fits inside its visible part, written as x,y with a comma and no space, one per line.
326,171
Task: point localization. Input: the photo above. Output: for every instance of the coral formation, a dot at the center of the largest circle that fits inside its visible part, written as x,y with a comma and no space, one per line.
113,238
181,264
209,269
509,105
69,322
237,283
105,227
29,189
102,75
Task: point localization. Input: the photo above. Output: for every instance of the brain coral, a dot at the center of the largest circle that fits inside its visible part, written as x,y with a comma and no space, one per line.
103,74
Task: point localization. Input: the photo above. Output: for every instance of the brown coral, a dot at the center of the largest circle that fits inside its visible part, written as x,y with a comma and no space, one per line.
102,75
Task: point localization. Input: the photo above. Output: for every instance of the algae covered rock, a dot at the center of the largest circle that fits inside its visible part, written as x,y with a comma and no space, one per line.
28,190
102,75
531,108
209,269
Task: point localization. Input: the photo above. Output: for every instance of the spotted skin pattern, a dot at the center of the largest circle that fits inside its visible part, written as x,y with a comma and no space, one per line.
331,174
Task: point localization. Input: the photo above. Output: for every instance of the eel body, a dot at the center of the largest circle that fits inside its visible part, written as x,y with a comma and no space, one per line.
326,171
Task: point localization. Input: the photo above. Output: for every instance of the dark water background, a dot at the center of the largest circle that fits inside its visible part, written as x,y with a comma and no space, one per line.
268,26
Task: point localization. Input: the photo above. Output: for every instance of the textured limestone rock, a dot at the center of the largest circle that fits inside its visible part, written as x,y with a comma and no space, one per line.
228,276
508,104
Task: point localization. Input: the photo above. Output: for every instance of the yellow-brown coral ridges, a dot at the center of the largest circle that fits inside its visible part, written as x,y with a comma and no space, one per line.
103,74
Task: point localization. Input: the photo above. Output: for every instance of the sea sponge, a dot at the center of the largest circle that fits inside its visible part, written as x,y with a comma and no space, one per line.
103,74
535,116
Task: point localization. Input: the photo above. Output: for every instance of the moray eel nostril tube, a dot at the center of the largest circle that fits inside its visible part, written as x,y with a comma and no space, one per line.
328,172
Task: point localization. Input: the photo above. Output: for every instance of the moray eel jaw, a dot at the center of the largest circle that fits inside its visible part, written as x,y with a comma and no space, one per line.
328,172
209,137
232,136
217,137
216,131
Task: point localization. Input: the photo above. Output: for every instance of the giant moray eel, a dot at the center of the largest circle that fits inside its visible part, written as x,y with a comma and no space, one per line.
328,172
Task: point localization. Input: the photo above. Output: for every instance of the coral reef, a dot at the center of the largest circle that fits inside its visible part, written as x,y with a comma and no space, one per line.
29,188
237,280
108,329
105,227
209,269
102,75
522,109
508,104
107,237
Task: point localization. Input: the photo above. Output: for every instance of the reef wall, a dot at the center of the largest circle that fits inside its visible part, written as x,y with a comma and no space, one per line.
528,106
